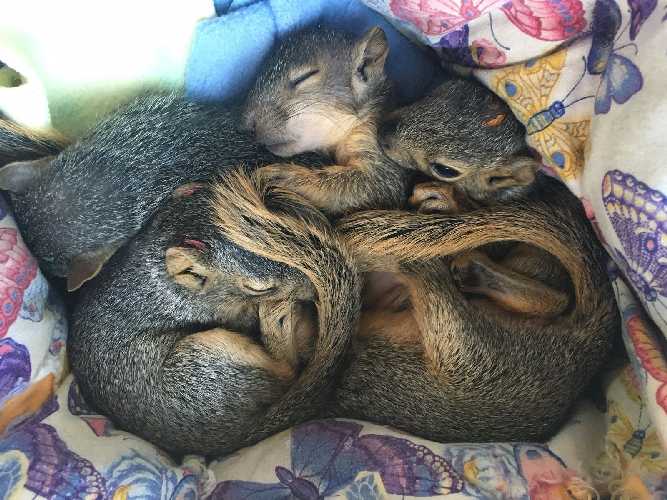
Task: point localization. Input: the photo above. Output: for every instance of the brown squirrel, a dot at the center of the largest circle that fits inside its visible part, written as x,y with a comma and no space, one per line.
467,137
321,90
463,134
167,339
434,361
520,278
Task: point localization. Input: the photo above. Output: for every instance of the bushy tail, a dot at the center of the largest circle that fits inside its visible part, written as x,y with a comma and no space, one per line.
281,226
554,223
18,143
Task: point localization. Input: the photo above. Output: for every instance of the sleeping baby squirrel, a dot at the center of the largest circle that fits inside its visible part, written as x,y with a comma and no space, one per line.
321,90
433,361
75,206
462,134
191,370
467,138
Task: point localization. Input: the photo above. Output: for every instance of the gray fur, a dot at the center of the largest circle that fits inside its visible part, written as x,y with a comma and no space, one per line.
349,93
135,363
104,187
497,377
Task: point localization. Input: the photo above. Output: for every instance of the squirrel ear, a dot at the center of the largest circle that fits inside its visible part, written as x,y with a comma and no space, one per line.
185,190
184,267
86,266
520,172
370,54
20,175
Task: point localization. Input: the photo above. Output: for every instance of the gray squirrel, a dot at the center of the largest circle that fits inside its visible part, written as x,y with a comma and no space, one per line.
325,91
462,134
437,356
167,339
76,205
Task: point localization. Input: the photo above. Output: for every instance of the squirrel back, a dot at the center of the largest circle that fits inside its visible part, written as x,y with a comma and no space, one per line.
99,191
469,375
166,341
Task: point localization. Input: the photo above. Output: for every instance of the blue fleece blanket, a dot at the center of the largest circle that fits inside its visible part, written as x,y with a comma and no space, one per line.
228,50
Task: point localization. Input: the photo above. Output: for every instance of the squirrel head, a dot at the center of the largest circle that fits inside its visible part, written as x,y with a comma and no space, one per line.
183,248
202,263
463,134
315,87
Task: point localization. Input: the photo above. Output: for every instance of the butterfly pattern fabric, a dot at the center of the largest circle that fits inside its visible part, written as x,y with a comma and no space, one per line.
17,270
541,19
639,217
586,77
620,78
328,456
346,459
529,90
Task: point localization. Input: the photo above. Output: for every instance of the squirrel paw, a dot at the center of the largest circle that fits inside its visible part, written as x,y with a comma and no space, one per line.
284,174
434,197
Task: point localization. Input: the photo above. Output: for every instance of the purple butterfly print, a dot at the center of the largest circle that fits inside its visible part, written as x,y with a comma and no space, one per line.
14,368
638,215
640,10
328,455
455,47
620,77
409,469
324,460
54,470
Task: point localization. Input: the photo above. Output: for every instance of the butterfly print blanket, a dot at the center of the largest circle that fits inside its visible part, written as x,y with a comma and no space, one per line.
587,78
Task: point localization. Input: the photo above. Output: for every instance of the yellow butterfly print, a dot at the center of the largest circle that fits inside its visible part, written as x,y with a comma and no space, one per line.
527,88
639,444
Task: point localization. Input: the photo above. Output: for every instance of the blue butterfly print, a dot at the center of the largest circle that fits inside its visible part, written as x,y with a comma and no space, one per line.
149,478
620,78
328,455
